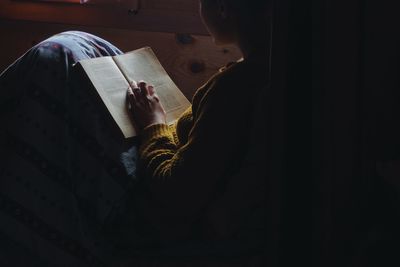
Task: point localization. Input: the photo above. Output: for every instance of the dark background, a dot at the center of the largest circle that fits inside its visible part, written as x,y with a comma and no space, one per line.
339,172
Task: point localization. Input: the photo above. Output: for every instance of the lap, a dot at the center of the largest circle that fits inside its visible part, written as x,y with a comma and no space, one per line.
60,171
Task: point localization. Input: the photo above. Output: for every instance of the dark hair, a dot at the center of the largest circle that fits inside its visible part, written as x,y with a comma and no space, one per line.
252,18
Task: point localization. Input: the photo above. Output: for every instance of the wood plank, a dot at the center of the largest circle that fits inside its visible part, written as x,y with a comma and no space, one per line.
188,5
113,16
189,64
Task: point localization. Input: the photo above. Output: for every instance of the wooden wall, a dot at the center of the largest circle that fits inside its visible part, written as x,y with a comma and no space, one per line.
188,54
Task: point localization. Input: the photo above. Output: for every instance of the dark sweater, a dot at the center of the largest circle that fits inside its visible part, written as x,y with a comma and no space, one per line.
208,170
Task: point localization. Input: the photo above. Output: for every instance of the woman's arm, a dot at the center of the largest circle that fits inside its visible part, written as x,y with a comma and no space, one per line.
182,180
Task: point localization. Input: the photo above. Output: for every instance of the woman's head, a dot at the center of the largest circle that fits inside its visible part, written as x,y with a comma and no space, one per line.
232,21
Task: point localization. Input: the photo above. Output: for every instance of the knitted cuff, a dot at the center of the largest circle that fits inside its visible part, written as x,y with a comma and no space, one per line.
154,131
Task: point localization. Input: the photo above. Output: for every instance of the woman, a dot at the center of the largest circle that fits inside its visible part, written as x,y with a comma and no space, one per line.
202,180
190,169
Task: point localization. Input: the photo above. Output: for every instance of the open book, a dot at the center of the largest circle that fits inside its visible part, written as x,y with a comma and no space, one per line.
110,77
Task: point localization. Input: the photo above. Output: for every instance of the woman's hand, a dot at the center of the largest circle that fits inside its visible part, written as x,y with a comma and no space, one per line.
144,105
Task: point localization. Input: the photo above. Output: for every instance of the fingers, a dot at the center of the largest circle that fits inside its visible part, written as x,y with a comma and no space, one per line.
140,92
143,89
151,90
133,84
130,97
134,89
152,93
136,93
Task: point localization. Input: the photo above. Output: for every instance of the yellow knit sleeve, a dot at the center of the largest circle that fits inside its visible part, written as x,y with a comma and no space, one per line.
158,145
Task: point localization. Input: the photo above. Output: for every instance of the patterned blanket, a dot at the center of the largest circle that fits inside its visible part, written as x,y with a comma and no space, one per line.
61,165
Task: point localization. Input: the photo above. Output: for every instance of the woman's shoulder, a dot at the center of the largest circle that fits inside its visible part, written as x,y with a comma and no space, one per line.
244,69
232,82
242,75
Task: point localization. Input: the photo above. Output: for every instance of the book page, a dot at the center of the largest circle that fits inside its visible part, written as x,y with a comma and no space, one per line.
142,64
111,85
